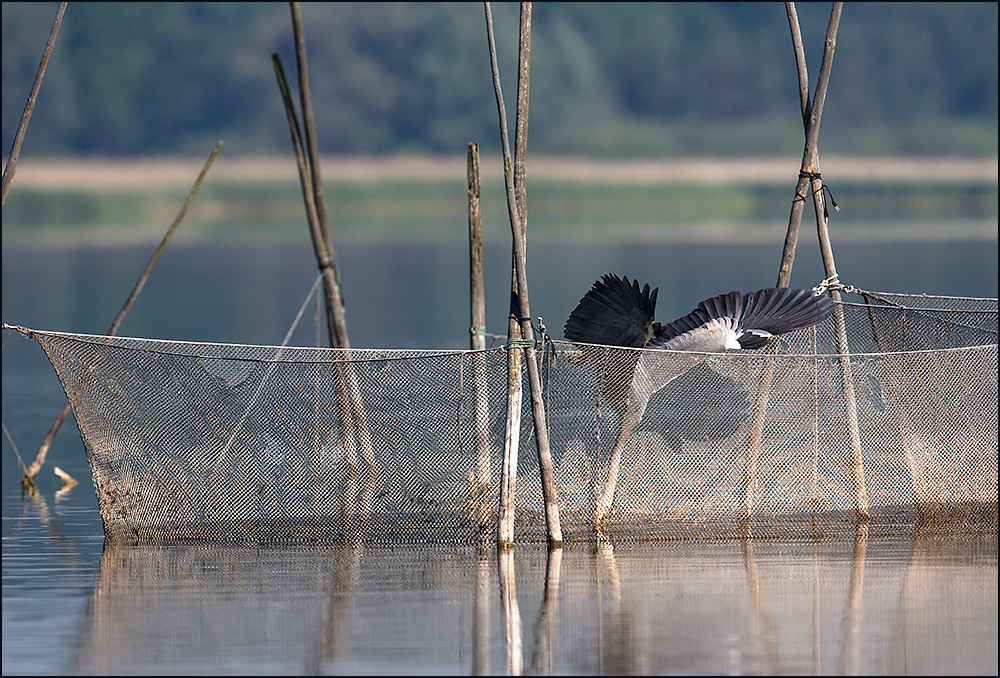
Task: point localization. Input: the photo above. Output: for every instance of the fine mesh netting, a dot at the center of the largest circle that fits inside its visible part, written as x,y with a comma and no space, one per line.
261,444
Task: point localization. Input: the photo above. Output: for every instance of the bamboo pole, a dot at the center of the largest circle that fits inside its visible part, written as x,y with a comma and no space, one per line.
28,479
323,259
512,433
749,478
826,249
748,481
477,298
355,430
309,125
811,179
323,255
479,482
320,227
527,341
29,107
795,218
547,475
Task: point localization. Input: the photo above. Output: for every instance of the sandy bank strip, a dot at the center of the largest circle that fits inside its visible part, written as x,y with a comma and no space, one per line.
115,174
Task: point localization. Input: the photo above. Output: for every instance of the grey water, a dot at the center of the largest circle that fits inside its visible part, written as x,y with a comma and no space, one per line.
903,605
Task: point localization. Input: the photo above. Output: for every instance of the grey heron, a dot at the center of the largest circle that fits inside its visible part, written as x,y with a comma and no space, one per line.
618,312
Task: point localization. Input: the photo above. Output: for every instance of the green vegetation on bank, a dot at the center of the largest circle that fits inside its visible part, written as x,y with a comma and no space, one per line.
437,207
607,79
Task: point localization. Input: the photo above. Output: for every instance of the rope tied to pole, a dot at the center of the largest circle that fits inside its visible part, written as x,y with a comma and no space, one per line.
816,176
833,283
513,344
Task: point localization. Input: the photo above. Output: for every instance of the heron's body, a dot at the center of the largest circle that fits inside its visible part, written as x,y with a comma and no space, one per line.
618,312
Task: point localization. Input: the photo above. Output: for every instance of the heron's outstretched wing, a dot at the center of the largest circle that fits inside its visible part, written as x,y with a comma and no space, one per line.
751,319
770,312
615,312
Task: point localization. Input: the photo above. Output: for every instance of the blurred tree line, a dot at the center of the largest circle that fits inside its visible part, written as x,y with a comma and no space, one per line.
607,79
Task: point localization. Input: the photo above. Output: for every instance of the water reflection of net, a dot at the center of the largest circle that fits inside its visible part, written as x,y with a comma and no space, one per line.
250,443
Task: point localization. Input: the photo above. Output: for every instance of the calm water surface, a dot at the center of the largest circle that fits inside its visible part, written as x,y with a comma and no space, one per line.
914,604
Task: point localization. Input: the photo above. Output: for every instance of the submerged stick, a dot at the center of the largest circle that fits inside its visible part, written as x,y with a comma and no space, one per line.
29,106
68,480
43,449
527,341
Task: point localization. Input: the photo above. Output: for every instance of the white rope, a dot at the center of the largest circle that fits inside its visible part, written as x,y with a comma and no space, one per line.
833,283
302,310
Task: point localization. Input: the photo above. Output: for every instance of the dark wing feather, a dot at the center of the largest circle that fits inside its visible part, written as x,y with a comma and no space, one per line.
776,311
615,312
756,317
721,306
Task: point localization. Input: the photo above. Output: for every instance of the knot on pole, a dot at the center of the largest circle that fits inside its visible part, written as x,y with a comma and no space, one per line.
833,283
816,176
513,344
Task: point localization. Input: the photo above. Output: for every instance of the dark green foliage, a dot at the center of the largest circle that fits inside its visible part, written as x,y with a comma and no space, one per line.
607,78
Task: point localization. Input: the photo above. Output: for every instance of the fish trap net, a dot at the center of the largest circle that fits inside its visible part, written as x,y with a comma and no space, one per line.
259,444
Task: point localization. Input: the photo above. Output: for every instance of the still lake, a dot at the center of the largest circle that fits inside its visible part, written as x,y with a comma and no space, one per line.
879,605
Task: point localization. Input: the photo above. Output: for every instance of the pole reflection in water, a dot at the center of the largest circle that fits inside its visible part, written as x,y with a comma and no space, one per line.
746,606
765,631
618,626
340,613
854,609
541,654
511,612
481,612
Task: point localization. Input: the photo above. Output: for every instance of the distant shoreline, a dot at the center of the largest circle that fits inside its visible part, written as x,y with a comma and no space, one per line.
722,234
171,173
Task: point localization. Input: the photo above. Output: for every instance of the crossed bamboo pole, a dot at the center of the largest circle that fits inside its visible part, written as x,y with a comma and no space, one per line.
520,332
810,183
355,432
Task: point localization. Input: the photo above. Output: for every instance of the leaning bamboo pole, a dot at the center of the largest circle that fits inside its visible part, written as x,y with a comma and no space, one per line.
27,480
810,182
749,478
325,263
512,432
526,341
795,218
826,250
29,106
355,431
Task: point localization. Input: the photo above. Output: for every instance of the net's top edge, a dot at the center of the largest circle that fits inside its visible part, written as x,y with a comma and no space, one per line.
923,295
358,354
